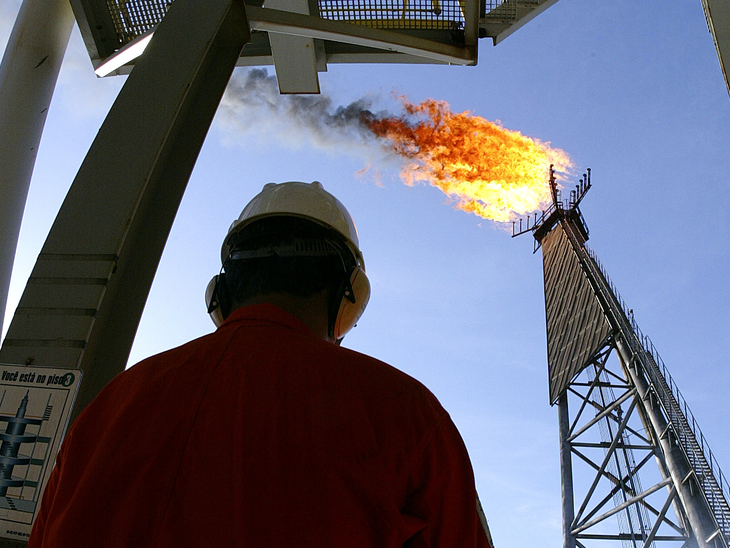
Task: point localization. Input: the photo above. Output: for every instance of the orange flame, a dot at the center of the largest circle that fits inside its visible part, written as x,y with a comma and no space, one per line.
488,170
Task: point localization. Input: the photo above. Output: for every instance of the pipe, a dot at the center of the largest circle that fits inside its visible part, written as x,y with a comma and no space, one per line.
698,514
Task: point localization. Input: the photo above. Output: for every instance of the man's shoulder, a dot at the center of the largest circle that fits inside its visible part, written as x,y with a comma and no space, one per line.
168,366
200,347
374,366
151,384
375,376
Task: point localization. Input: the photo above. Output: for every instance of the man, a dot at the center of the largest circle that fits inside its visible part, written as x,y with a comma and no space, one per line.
266,433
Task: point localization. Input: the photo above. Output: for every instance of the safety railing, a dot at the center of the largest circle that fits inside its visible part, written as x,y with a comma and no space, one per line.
679,414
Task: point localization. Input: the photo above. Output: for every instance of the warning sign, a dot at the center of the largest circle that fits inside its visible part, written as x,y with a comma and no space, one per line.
35,403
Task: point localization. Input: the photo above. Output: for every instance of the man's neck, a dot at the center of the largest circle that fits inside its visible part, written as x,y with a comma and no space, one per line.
312,311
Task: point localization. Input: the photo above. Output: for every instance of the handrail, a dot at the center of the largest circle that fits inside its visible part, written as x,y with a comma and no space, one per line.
662,374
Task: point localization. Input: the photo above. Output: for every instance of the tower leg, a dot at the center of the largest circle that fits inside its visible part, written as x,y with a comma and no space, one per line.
566,472
28,75
82,304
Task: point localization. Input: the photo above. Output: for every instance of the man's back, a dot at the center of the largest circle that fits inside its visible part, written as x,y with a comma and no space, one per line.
262,435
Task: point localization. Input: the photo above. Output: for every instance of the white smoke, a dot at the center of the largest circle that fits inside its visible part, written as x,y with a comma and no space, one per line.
252,104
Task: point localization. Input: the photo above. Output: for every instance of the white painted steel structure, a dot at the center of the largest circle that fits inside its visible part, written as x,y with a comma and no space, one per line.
84,298
28,76
83,301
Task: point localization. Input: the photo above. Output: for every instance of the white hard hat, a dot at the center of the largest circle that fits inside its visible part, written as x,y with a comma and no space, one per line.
314,203
295,199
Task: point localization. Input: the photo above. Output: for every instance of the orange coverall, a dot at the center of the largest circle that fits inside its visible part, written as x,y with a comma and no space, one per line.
261,435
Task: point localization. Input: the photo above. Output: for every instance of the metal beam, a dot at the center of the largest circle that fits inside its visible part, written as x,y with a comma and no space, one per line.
600,363
662,513
566,472
471,30
338,31
717,14
620,486
607,458
295,58
83,301
622,506
698,513
524,12
617,481
606,411
28,75
396,47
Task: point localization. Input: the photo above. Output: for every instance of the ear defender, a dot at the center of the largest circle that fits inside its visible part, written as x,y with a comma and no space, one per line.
213,298
355,297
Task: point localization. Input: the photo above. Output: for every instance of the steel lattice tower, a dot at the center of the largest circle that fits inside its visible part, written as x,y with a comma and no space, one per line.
619,409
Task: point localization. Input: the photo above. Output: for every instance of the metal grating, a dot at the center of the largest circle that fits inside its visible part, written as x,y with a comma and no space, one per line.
132,18
502,10
507,10
397,14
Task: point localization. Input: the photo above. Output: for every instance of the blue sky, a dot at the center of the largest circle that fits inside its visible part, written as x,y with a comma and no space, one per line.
630,90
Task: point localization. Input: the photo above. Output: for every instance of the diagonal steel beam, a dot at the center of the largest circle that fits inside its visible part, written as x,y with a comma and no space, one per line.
310,26
622,506
613,417
613,479
609,454
602,365
606,411
662,513
606,474
82,304
619,485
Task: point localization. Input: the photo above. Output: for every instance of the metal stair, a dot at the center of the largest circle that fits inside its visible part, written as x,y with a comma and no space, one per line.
706,470
710,481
